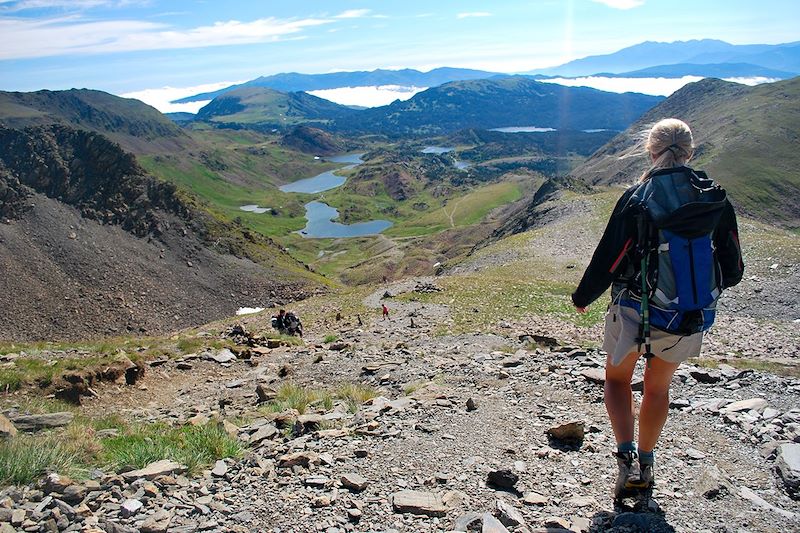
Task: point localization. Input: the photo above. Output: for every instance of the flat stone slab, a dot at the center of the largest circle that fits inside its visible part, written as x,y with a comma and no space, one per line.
419,503
354,482
492,525
46,421
756,404
788,465
165,467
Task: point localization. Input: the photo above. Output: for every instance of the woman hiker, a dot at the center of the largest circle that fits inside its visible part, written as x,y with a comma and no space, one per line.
617,262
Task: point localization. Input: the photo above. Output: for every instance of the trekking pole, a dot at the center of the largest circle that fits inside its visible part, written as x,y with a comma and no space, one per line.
648,353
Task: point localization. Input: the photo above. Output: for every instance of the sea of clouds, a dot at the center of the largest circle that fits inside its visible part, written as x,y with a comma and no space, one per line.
375,96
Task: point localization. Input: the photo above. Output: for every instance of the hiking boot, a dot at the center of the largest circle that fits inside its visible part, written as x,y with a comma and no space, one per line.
628,474
646,478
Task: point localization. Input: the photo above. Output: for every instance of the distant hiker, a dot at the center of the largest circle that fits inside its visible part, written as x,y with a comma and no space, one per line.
385,311
278,322
668,250
360,323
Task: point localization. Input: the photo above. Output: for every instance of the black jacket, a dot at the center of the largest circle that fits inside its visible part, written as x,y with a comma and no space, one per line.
614,257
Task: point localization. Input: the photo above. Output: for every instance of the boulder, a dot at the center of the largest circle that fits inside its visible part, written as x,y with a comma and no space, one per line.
264,433
492,525
509,515
569,433
220,469
502,479
419,503
157,522
223,356
788,465
303,459
756,404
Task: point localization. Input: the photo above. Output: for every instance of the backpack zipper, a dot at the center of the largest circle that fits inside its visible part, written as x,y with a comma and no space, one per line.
691,271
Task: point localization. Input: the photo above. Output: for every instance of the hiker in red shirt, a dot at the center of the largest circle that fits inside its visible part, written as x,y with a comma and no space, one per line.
385,312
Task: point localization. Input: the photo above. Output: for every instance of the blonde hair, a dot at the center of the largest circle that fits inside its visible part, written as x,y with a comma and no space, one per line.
670,144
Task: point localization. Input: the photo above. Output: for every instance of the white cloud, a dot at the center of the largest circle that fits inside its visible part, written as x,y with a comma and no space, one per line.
25,38
621,4
161,98
473,14
372,96
654,86
353,14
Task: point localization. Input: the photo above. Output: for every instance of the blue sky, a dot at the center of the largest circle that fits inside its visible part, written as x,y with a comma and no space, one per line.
130,45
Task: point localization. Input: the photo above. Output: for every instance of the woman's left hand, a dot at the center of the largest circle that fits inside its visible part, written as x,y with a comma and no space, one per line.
580,310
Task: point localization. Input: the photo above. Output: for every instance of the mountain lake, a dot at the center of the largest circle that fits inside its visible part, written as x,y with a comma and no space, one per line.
460,165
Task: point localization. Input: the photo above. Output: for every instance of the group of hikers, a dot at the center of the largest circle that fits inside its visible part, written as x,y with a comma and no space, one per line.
669,249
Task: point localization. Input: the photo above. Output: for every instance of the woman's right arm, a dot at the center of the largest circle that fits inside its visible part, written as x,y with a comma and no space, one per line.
611,255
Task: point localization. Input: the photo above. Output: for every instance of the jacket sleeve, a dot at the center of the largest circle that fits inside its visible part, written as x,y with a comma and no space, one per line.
729,252
611,256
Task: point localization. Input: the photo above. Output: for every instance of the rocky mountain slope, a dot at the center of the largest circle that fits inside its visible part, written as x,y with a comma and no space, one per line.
495,432
136,126
94,246
745,137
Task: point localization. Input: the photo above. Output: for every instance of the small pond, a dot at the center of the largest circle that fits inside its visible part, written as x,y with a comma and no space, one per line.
321,224
327,180
523,129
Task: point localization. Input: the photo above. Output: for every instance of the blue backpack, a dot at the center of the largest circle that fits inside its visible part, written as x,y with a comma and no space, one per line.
679,282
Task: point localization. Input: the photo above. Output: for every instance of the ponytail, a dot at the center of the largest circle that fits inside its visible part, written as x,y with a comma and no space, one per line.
669,144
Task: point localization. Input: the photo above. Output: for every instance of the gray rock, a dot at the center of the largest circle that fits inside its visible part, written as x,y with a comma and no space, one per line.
788,465
420,503
112,527
223,356
711,484
756,404
45,421
502,479
509,515
468,522
706,376
7,428
157,522
316,481
571,432
471,405
354,482
492,525
265,432
751,496
220,469
165,467
130,507
534,498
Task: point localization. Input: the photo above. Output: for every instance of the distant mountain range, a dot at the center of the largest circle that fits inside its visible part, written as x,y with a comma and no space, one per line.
706,58
491,103
780,57
292,81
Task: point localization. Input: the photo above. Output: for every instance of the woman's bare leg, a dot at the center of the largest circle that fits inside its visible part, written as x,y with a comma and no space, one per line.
618,397
655,404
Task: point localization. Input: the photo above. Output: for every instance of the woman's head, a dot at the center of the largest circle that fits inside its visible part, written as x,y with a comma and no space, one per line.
669,144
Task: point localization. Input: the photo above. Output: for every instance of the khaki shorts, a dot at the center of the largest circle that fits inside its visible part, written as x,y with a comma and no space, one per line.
622,330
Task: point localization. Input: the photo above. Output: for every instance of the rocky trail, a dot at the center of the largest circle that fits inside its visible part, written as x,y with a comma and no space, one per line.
473,432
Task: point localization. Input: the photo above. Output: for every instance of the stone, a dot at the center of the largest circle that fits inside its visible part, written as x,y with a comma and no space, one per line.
316,481
157,522
7,428
18,517
220,469
74,494
711,484
354,515
471,405
787,464
569,433
594,375
468,522
231,429
756,404
750,495
183,365
223,356
492,525
311,422
534,498
130,507
705,376
55,483
354,482
509,515
557,522
419,503
198,420
164,467
691,453
502,479
265,393
303,459
583,501
45,421
265,432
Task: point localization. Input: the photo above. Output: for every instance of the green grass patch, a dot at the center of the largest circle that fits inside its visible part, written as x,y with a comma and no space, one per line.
192,446
293,396
355,394
25,458
330,338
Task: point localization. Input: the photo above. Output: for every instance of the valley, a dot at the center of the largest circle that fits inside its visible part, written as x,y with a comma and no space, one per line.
143,387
